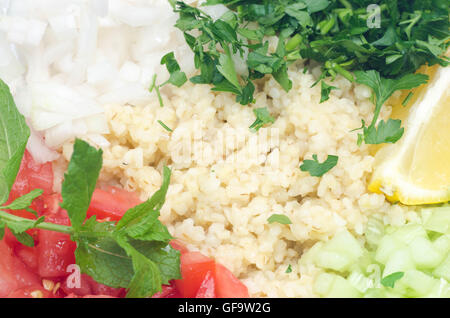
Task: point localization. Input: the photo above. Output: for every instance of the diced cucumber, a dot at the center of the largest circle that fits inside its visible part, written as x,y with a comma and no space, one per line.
443,270
338,254
323,283
374,231
346,243
341,288
424,254
408,232
419,252
359,281
419,283
400,261
388,245
310,255
438,219
442,244
333,260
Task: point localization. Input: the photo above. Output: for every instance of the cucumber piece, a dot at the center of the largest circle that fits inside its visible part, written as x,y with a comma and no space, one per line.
340,253
418,283
360,282
333,260
341,288
374,231
322,284
423,253
443,270
387,246
438,219
400,261
409,232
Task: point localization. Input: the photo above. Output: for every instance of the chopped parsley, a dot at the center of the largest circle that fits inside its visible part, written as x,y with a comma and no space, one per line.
389,280
262,118
336,34
279,218
317,169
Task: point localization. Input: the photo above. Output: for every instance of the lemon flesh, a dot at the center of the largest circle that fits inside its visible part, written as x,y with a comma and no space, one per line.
416,170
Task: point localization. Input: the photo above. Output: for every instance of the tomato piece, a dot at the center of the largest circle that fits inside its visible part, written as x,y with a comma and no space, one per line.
179,246
100,289
55,250
168,291
31,292
227,285
207,288
28,256
13,273
33,176
83,289
112,203
194,268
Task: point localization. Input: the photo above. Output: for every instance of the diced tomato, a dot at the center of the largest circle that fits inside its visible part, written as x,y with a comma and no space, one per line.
31,292
33,176
100,289
194,268
168,291
55,250
28,256
207,288
89,296
112,203
13,273
227,285
83,289
178,245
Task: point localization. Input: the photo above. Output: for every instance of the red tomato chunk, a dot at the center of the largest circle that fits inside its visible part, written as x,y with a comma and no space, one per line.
41,271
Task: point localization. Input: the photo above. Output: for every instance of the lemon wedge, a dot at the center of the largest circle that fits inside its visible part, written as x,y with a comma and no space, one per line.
416,169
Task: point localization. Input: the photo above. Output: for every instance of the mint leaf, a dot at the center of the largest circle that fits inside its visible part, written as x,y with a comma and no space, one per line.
80,180
279,218
23,202
139,220
262,118
317,169
14,134
389,281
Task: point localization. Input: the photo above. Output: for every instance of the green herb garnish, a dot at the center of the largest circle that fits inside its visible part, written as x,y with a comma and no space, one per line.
279,218
317,169
262,118
335,33
389,280
134,253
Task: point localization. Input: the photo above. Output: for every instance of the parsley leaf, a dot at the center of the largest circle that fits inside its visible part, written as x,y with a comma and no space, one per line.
262,118
317,169
177,77
279,218
389,280
383,88
325,90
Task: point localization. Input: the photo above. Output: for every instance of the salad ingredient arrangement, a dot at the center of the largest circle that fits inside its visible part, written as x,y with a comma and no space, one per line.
396,261
337,34
415,170
133,254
